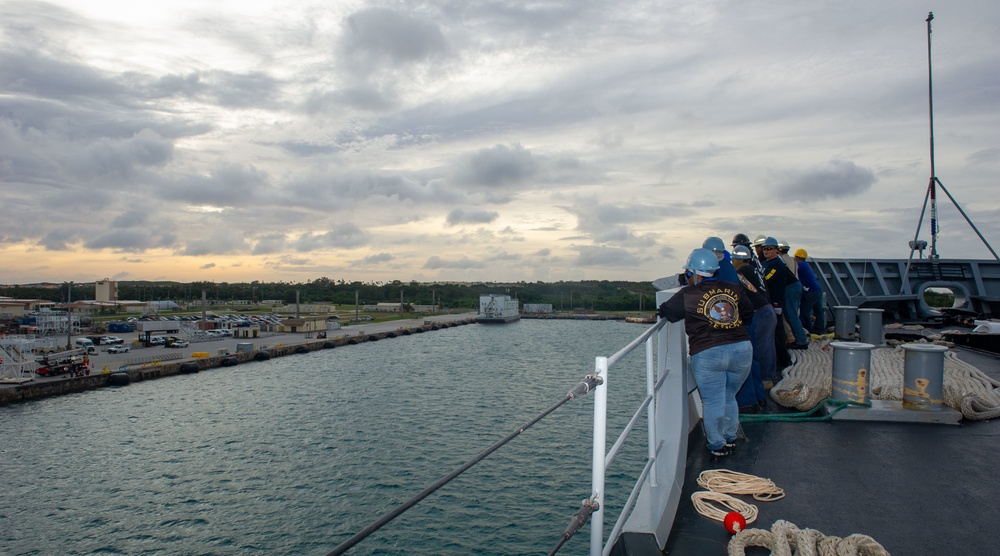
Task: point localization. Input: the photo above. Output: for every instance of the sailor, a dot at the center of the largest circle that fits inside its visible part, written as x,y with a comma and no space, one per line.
758,267
793,294
779,278
811,310
726,271
716,314
753,394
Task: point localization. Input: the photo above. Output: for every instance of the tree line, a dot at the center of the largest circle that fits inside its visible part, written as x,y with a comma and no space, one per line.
598,295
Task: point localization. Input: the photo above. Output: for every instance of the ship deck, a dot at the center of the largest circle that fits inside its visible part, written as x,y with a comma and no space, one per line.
915,488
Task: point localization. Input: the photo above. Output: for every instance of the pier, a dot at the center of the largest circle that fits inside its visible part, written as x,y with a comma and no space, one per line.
108,370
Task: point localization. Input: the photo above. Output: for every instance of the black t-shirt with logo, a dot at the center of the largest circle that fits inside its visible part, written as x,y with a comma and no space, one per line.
715,313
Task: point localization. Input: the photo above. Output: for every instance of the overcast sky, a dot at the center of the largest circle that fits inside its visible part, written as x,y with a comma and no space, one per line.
482,140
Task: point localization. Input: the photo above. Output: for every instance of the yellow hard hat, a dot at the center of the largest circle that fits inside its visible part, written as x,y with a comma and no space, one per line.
801,253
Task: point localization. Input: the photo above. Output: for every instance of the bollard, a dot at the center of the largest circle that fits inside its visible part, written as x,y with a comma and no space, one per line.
870,326
851,371
923,376
844,317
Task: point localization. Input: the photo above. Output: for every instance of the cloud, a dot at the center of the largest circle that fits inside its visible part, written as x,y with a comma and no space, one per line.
498,167
120,240
268,244
590,256
985,156
374,259
58,240
376,37
837,179
131,218
343,236
252,89
460,216
461,263
215,244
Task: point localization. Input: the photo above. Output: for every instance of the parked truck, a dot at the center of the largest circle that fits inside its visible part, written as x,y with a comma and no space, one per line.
73,362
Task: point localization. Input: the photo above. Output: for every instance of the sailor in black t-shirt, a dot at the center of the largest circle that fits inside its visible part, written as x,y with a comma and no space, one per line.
716,315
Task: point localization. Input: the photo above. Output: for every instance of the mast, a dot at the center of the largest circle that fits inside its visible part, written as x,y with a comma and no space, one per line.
931,186
933,183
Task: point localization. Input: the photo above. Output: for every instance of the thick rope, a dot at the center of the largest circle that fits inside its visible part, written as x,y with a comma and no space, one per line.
809,380
734,482
785,539
704,501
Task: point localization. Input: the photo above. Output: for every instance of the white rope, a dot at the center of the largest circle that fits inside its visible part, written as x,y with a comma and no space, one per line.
785,539
704,503
734,482
809,380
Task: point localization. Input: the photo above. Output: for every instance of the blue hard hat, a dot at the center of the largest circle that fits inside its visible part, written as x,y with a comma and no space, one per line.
714,244
770,242
702,262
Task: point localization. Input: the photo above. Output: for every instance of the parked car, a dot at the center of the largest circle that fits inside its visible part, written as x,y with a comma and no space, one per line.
178,344
118,348
157,340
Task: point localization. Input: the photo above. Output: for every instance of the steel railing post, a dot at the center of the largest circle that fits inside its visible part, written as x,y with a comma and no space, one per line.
651,410
597,465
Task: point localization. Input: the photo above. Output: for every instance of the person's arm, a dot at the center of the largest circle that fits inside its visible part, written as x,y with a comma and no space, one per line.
673,308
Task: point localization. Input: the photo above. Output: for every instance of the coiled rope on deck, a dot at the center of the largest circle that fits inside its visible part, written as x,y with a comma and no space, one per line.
704,501
809,380
785,539
734,482
722,484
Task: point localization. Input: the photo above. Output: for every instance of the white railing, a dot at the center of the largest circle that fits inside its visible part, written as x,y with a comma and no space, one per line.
651,505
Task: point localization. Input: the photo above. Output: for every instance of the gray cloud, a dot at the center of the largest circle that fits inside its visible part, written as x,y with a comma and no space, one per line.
58,240
120,240
461,263
268,244
837,179
595,256
497,167
215,244
129,219
377,36
460,216
375,259
343,236
985,156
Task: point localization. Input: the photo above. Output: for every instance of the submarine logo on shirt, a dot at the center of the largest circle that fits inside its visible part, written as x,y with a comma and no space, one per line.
721,308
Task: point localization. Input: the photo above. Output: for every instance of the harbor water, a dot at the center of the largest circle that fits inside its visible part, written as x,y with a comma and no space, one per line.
296,454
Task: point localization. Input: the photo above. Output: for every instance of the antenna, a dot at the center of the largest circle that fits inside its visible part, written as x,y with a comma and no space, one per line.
934,182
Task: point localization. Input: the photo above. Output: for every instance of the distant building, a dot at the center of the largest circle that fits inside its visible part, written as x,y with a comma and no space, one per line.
106,290
538,308
18,307
305,308
397,307
316,323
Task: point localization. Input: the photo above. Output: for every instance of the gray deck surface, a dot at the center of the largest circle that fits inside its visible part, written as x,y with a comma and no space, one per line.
915,488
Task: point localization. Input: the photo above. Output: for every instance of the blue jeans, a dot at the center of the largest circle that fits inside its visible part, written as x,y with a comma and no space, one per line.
810,306
762,339
719,372
793,296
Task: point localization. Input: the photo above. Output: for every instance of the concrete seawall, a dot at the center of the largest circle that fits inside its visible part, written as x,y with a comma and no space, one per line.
158,369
